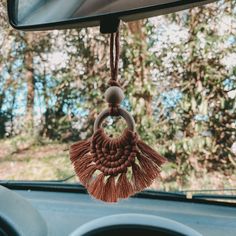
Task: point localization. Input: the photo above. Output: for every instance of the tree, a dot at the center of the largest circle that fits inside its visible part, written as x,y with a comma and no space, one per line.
200,128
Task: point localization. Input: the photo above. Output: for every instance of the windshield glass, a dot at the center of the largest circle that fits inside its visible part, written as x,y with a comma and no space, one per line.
179,75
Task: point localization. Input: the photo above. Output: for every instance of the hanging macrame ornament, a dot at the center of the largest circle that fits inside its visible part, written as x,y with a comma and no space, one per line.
115,168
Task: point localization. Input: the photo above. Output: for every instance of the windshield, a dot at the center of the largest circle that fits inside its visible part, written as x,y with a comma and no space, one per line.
179,74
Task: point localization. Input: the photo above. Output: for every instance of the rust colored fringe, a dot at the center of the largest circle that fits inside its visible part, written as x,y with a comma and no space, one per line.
124,187
79,149
85,175
113,158
148,166
109,193
96,188
141,179
151,153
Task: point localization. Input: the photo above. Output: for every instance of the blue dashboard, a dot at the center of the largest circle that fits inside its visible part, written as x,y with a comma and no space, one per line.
64,212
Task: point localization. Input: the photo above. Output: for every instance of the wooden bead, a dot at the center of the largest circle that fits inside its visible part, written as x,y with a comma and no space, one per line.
114,95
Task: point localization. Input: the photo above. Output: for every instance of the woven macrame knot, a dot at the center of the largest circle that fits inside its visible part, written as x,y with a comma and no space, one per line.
113,156
114,109
113,82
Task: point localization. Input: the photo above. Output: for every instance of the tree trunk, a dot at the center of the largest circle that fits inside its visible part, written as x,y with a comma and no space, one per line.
30,83
142,72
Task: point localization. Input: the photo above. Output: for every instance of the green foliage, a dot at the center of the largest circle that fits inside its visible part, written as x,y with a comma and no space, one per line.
201,130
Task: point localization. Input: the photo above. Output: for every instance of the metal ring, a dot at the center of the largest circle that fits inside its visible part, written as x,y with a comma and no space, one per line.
125,114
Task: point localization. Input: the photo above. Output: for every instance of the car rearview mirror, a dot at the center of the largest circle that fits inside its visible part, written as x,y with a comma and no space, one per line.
62,14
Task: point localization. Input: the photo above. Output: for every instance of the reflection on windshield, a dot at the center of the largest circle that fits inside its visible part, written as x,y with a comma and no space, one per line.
42,11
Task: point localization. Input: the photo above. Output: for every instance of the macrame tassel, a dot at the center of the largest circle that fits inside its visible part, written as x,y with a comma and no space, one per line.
82,163
124,187
79,149
96,189
151,153
109,194
103,190
141,179
148,166
85,174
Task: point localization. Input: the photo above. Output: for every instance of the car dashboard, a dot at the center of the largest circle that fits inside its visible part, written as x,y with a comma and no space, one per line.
66,211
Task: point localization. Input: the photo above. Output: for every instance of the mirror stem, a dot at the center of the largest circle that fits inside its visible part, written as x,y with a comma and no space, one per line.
109,24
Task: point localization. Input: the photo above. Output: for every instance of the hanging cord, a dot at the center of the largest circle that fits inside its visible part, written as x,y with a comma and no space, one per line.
114,65
114,58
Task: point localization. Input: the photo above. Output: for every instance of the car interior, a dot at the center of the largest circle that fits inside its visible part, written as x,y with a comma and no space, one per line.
105,195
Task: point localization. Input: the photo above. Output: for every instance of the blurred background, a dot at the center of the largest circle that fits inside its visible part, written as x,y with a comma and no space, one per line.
179,76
